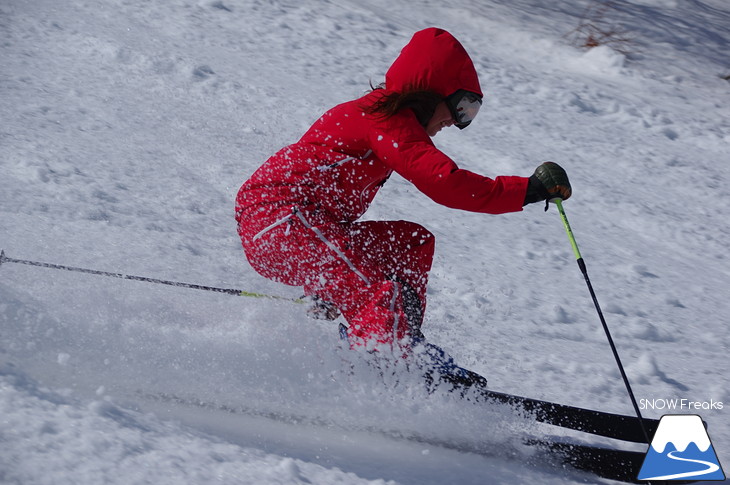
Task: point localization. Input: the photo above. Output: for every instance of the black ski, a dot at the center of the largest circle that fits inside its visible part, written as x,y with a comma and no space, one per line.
609,425
614,464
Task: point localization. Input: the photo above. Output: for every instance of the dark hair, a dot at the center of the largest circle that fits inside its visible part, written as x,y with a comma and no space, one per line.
422,102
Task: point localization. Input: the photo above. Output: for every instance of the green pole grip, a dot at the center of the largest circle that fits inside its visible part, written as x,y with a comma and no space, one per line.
576,251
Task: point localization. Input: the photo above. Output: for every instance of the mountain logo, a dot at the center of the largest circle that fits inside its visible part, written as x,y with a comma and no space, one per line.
681,449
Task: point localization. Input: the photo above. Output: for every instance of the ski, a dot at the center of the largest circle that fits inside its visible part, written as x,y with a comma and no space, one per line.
613,464
600,423
610,463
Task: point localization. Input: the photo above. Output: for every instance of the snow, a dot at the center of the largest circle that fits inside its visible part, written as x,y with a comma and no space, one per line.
128,127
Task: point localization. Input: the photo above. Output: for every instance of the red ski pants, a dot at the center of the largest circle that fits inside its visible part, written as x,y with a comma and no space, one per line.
375,272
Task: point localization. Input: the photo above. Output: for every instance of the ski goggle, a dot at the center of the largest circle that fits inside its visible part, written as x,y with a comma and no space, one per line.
464,106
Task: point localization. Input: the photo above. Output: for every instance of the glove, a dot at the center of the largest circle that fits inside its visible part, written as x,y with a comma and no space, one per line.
548,182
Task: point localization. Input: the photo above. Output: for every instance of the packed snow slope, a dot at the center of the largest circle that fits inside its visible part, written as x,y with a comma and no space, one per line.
127,128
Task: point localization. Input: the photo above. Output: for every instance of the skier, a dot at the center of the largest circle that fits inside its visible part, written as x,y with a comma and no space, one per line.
297,214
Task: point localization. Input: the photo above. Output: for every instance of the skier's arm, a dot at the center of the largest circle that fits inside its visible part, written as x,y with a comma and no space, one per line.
408,150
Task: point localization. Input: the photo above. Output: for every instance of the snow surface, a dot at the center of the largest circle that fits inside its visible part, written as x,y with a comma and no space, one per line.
127,128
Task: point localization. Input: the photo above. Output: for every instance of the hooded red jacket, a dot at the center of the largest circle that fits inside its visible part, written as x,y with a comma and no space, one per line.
333,172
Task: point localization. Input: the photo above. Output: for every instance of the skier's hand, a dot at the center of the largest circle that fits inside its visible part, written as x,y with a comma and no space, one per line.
547,183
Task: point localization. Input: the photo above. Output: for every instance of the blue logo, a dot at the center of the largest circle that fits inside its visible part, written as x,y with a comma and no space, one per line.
681,450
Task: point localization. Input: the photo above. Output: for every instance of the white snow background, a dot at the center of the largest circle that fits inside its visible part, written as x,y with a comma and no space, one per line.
127,128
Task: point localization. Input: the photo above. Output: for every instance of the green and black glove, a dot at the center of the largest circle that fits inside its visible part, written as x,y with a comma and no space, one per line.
548,182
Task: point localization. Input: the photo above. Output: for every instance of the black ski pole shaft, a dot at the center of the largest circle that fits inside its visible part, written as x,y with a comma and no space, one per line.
582,266
228,291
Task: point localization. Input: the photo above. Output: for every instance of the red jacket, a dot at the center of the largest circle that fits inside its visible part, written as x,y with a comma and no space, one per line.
341,162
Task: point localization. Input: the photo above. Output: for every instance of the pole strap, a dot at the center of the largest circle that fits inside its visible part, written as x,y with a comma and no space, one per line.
582,266
228,291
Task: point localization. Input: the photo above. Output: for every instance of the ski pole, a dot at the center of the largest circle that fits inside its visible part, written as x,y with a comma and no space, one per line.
229,291
582,266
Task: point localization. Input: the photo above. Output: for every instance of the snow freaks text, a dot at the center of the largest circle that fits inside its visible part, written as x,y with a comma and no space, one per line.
680,404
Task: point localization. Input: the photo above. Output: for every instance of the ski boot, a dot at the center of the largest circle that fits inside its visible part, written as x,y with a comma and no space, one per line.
439,368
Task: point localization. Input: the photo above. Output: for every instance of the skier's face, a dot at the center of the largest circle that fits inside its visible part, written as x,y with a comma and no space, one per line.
441,118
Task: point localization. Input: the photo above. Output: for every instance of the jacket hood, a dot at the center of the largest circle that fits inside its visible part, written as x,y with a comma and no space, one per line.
433,60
